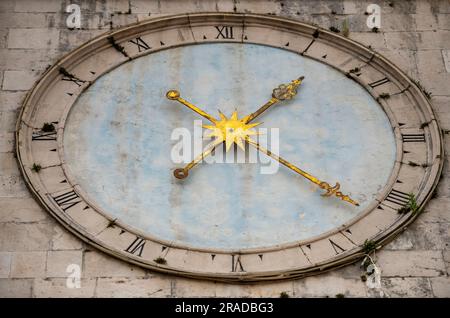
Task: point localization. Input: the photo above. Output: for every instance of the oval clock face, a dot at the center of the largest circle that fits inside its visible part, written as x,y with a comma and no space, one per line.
229,147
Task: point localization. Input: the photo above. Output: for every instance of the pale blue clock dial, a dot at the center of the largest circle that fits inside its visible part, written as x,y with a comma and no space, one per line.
118,147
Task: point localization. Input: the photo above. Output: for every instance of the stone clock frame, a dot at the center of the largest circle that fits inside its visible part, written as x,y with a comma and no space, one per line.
416,170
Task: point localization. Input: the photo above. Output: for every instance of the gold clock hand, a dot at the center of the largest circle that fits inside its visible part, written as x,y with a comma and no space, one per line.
175,95
182,173
322,184
282,92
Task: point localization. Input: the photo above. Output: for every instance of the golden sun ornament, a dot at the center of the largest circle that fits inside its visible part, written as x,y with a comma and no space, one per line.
231,130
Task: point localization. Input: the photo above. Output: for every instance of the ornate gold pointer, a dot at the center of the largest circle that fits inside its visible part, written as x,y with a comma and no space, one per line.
282,92
175,95
232,130
322,184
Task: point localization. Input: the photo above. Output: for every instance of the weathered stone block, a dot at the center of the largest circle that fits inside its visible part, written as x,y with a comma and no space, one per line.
39,6
7,121
6,142
433,236
11,101
21,210
441,287
232,290
58,261
436,211
57,287
15,288
447,260
33,38
25,20
411,263
5,264
137,287
25,237
443,22
406,287
64,240
113,6
142,6
98,264
3,37
401,40
374,40
329,285
18,80
120,20
71,39
8,164
27,59
28,264
192,288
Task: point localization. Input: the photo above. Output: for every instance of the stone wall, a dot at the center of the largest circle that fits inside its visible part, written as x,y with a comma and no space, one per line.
35,250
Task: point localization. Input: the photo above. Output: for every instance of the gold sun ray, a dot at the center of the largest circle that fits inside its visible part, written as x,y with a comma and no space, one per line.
231,130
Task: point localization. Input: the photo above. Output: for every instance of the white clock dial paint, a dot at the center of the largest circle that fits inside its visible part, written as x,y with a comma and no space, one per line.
117,146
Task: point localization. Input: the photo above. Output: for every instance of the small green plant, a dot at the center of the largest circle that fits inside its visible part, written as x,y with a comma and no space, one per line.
369,246
334,29
375,30
385,96
36,167
345,28
410,206
364,277
160,260
412,203
284,295
48,127
340,296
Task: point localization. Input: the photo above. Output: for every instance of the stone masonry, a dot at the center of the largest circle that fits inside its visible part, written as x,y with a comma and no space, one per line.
35,250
